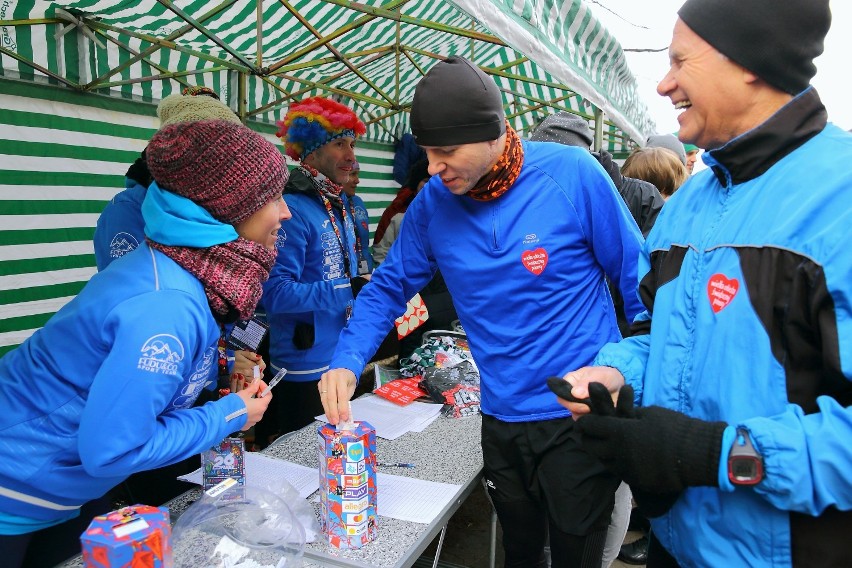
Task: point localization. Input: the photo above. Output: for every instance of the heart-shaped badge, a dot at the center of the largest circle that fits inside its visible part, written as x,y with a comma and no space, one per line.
721,291
535,260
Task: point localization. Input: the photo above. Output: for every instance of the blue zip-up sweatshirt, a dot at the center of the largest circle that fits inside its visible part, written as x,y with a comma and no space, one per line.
747,276
308,290
120,226
105,388
526,273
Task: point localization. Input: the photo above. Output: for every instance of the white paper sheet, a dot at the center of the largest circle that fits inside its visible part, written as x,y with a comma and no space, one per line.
261,471
391,420
413,500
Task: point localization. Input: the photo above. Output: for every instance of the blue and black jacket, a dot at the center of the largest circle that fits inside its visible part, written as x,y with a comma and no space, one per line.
747,278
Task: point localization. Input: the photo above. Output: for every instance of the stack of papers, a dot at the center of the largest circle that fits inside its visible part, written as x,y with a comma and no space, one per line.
263,471
391,420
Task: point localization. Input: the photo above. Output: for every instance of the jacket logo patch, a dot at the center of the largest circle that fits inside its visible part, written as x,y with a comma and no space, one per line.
161,354
721,290
121,244
535,260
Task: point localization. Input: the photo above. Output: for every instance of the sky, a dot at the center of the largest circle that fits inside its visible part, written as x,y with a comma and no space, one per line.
648,24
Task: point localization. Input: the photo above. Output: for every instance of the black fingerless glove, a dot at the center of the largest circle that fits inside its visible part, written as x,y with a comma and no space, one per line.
653,449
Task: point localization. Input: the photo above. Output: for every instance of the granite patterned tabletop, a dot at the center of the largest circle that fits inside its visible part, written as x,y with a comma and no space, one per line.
447,451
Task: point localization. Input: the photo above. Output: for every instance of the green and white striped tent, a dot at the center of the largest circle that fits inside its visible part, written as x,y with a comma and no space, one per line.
80,80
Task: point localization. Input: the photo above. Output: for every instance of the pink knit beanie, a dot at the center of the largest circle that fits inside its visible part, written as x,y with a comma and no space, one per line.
224,167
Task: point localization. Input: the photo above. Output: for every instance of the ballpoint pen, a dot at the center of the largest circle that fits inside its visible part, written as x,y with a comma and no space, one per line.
395,465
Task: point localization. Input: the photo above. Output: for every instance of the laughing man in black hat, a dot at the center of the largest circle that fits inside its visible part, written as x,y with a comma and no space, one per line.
523,233
740,450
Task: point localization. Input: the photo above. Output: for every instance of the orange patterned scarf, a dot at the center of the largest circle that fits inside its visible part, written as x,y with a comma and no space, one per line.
504,173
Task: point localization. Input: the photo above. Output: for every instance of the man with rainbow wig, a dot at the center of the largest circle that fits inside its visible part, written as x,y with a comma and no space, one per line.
310,291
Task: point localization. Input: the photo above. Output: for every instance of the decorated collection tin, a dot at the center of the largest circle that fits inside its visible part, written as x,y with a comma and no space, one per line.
347,469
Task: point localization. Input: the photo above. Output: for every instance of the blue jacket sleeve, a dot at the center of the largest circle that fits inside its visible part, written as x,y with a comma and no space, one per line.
135,406
284,291
806,458
408,267
630,355
613,234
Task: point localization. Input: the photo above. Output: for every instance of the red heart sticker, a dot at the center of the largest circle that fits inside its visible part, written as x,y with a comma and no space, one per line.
535,260
721,290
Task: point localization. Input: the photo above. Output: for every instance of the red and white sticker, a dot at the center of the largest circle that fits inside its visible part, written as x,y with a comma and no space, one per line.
535,260
721,291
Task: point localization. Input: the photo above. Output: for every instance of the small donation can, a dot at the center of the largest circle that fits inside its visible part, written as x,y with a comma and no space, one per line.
347,470
139,535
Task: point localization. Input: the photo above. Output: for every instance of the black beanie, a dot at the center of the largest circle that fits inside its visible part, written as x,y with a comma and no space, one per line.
456,103
777,41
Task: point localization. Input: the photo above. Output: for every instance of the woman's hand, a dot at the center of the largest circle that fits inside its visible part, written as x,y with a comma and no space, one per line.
244,363
255,407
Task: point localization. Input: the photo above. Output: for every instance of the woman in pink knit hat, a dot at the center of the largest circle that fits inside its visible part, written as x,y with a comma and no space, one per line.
106,388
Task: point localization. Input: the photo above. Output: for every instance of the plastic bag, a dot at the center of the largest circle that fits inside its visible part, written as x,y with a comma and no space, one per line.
457,387
300,507
440,348
238,527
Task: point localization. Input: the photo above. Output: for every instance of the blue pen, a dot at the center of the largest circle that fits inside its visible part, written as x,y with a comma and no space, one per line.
395,464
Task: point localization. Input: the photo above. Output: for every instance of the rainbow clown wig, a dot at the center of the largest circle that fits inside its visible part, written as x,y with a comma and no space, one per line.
314,122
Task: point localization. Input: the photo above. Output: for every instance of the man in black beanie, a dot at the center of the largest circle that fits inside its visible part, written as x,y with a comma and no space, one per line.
523,234
739,451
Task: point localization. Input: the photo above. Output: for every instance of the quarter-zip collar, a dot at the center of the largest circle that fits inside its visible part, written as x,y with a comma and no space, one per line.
751,154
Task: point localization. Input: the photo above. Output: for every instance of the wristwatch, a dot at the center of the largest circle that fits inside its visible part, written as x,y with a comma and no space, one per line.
745,464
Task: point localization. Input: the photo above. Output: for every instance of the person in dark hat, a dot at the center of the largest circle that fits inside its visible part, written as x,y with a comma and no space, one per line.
310,292
81,415
739,448
523,234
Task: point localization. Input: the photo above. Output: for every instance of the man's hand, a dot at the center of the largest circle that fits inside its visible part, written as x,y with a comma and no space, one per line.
336,388
580,379
255,407
653,449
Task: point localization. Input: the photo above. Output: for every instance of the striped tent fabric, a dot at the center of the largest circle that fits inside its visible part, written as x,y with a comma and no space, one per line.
63,155
546,55
80,80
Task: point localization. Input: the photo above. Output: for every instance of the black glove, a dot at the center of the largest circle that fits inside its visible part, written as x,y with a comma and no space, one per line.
653,449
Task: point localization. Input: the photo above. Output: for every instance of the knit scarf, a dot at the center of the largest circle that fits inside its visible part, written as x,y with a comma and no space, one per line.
232,274
325,186
504,173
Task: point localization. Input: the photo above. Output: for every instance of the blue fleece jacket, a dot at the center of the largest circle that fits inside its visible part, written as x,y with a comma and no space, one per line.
120,227
526,273
106,387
